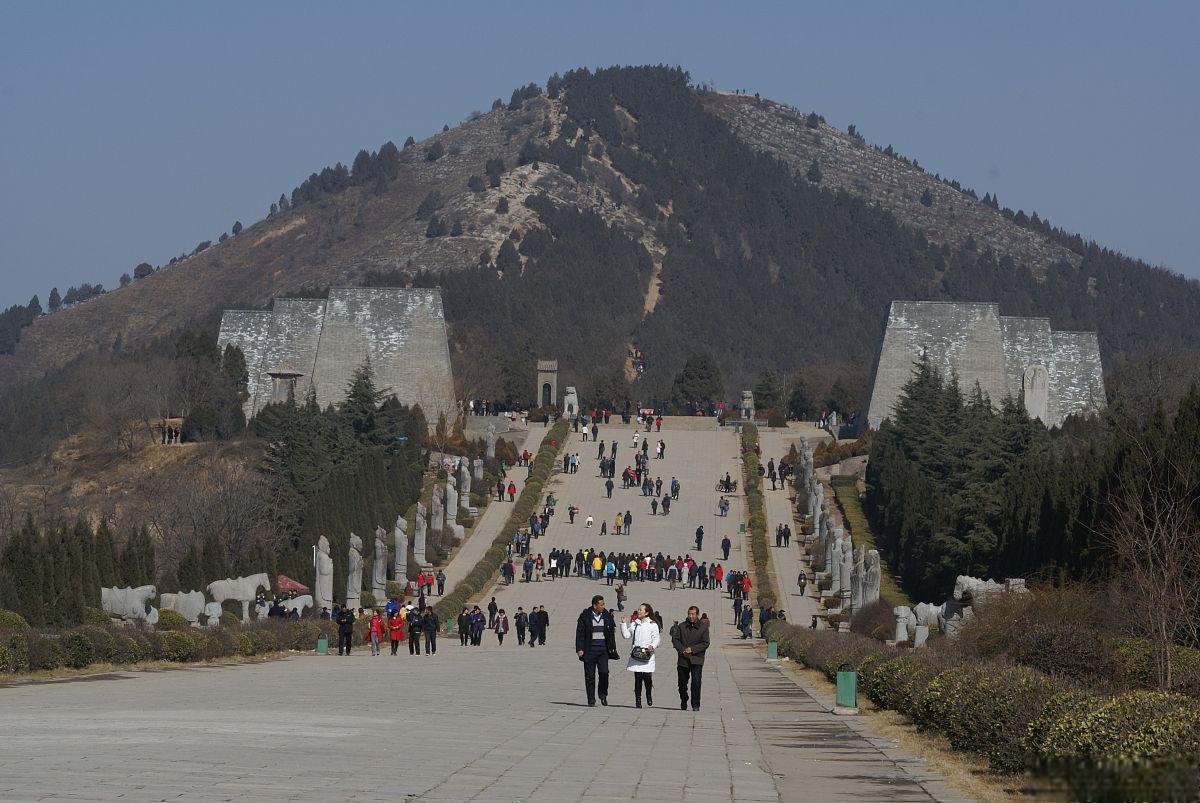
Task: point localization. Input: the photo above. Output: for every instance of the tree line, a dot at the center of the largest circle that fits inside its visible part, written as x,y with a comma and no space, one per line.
959,486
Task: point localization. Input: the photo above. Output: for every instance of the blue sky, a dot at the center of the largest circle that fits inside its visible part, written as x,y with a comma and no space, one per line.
131,131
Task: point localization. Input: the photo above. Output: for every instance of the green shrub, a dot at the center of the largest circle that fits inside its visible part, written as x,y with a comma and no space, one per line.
126,650
77,651
18,646
175,646
368,599
986,709
172,620
102,639
8,661
300,635
242,644
1141,745
263,640
394,590
230,619
43,653
95,616
12,621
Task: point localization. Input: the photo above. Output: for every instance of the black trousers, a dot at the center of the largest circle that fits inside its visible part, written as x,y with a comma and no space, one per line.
641,679
414,642
344,640
520,635
430,642
463,635
595,660
395,645
689,675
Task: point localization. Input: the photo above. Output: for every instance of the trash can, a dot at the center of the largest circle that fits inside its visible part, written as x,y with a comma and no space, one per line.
847,693
772,650
322,644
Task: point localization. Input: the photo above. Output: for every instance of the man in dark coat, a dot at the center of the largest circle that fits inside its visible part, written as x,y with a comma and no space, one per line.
345,622
726,544
595,644
690,639
429,626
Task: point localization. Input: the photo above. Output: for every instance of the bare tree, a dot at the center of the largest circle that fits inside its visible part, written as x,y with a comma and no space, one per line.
1154,532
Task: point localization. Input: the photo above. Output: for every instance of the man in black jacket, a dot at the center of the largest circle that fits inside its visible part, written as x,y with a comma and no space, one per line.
345,621
429,626
414,631
690,639
595,643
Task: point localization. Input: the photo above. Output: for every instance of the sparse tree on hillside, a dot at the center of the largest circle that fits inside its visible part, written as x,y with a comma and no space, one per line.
143,270
409,142
475,184
429,204
926,198
284,204
35,307
457,229
502,206
508,260
125,280
814,172
55,299
434,152
813,120
237,228
220,239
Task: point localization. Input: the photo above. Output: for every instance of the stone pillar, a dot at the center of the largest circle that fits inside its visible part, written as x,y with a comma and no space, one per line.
490,441
856,579
478,476
464,486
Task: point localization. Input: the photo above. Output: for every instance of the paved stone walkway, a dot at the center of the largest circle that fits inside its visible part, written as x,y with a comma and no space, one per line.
471,723
787,561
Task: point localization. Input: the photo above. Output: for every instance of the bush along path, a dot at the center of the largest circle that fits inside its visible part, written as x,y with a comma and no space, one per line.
486,568
756,518
24,649
1137,745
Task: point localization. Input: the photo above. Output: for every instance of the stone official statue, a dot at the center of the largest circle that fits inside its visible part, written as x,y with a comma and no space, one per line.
323,588
354,574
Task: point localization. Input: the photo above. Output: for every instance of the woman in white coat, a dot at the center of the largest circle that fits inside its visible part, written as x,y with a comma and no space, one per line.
644,633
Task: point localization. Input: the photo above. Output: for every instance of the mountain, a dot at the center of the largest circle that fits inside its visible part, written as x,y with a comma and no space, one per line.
626,208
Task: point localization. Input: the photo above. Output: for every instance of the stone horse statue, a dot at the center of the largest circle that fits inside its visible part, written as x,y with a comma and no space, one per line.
242,589
189,604
130,604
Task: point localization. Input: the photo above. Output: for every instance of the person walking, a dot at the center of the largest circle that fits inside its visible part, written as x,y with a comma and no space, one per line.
643,632
345,621
690,639
595,644
802,582
491,609
699,537
441,583
395,625
726,545
429,626
608,486
413,620
464,627
620,592
520,620
375,631
745,622
500,625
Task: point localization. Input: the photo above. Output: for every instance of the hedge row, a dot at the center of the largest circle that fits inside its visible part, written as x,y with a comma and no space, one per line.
1138,745
486,568
756,517
25,650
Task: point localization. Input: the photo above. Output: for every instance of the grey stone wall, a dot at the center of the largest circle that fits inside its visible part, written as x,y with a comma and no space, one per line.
974,341
401,331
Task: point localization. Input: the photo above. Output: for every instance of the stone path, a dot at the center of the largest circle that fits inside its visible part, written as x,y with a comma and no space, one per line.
471,723
787,561
494,515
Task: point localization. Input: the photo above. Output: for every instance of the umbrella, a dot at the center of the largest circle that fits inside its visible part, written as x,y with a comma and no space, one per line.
287,584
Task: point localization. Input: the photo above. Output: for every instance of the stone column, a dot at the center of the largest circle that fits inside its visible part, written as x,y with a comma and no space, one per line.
856,579
870,591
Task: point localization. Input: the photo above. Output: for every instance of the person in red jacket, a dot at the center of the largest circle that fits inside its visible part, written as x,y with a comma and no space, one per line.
746,585
375,631
395,626
512,492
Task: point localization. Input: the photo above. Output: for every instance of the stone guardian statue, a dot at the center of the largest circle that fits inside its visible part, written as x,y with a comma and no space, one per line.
379,567
400,535
354,574
323,588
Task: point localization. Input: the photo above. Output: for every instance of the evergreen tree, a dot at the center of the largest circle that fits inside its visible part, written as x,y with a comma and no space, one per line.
768,391
137,559
508,261
699,381
55,300
107,566
214,561
814,172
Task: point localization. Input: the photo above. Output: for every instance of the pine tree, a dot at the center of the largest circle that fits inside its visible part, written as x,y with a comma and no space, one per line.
55,300
107,568
814,172
214,562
